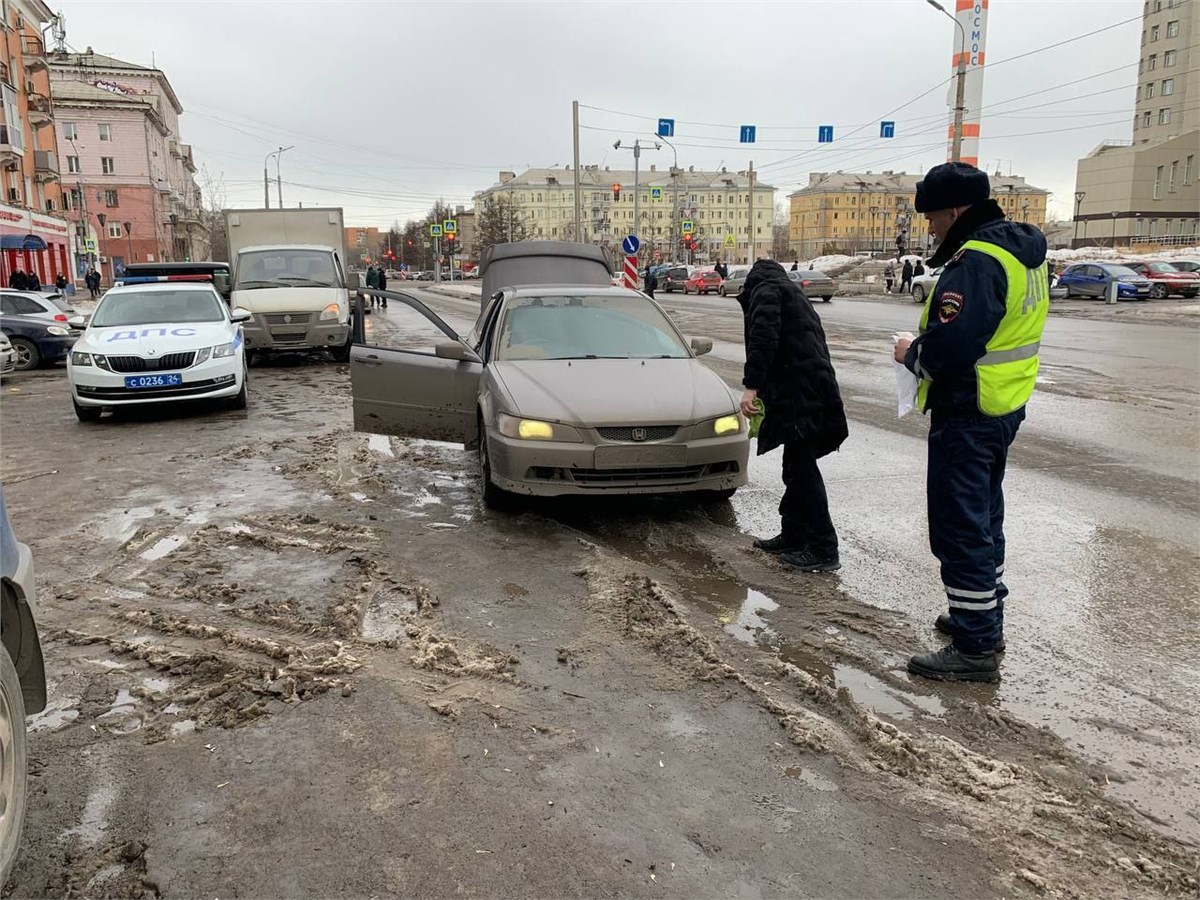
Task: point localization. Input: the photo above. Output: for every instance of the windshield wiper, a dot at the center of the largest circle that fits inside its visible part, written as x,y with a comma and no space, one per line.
241,285
311,281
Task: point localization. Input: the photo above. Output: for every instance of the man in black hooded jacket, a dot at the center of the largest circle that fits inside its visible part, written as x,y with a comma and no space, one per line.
788,368
977,361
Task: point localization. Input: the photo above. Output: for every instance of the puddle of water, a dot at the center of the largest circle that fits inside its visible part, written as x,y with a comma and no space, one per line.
94,820
381,443
440,526
883,698
123,703
811,778
53,717
164,546
749,626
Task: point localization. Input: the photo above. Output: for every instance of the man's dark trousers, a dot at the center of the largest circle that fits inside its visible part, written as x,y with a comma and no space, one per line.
805,505
967,457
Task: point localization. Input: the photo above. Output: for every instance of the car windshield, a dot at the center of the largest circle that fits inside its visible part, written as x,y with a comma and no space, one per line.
1121,272
157,307
587,327
1162,267
289,267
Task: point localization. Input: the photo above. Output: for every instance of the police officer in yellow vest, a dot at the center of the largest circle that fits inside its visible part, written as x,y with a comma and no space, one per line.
977,361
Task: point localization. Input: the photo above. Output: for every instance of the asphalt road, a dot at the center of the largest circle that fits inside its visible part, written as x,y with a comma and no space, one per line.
287,659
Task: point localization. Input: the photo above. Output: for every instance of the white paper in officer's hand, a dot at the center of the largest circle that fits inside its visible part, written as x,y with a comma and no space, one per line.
906,383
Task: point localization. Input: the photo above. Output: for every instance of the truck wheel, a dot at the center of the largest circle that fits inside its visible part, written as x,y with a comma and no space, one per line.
12,762
342,353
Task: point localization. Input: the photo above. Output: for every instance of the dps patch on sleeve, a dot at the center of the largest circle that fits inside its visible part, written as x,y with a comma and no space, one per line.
950,304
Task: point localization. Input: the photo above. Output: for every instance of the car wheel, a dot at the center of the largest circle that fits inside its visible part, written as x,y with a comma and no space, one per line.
87,413
1157,292
12,762
493,497
721,291
239,402
27,354
918,293
1070,296
828,298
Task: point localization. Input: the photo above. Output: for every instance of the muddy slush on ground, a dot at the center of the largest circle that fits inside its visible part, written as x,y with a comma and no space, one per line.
288,660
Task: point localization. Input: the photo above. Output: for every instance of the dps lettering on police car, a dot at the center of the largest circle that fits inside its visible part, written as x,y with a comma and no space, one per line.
160,342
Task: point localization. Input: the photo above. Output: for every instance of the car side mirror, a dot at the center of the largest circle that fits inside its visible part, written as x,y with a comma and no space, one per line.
240,314
453,350
221,282
701,345
79,323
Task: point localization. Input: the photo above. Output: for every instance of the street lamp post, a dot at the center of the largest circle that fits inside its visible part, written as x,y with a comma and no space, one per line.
1079,195
128,226
874,214
637,155
960,88
278,178
675,173
1114,231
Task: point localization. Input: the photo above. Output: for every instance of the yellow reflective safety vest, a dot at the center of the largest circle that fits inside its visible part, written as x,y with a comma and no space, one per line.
1006,373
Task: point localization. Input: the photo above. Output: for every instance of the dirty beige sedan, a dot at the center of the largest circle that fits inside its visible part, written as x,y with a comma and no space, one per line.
563,390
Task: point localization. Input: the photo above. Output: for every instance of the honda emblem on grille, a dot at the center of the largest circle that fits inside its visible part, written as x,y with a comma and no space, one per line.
638,434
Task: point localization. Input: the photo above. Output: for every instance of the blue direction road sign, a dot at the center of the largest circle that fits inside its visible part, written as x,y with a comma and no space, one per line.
630,245
887,129
666,128
825,134
746,136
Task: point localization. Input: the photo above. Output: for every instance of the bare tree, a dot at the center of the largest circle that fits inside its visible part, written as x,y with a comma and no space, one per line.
212,212
780,237
499,221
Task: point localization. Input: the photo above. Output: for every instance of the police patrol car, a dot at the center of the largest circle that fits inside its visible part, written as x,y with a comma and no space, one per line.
155,340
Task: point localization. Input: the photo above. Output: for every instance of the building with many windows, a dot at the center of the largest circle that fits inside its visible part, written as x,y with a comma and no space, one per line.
715,205
1146,190
34,236
129,179
855,212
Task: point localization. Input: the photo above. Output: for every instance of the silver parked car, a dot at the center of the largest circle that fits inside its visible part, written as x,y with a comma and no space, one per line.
732,286
51,307
22,683
564,389
8,355
814,283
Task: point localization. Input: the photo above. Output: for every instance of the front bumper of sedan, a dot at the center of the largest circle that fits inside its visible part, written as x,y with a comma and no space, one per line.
212,379
556,469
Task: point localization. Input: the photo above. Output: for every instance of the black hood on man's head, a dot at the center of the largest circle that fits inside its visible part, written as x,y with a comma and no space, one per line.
761,272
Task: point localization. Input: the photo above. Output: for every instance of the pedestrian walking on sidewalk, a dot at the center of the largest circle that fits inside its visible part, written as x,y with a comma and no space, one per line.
373,282
906,277
889,275
977,361
649,283
789,370
382,276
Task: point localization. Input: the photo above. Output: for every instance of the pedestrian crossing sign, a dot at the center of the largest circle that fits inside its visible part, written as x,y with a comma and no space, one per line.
450,226
688,226
730,240
435,230
656,193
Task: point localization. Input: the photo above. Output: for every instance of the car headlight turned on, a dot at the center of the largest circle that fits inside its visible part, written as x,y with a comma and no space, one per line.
330,312
537,430
727,425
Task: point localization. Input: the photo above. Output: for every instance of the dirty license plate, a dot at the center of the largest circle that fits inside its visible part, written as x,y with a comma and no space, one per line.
641,457
167,379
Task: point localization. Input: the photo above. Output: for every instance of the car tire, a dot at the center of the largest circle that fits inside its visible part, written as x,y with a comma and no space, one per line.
13,772
918,293
1159,292
828,298
87,413
494,498
721,291
1069,296
241,401
28,356
721,496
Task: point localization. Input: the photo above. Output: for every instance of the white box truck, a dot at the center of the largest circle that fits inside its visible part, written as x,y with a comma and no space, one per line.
289,272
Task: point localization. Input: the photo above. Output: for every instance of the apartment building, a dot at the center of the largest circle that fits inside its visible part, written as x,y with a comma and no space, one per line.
852,212
362,243
716,204
129,179
34,236
1145,190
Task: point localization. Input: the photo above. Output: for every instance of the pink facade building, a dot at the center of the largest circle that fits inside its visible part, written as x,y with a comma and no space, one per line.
127,178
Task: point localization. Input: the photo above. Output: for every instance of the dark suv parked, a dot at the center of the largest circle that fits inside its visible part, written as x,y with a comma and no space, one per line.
673,279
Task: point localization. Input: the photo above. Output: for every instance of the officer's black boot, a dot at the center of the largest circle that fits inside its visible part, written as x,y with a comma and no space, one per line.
781,543
945,625
950,664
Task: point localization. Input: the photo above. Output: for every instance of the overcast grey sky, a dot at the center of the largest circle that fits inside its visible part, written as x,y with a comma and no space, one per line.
392,105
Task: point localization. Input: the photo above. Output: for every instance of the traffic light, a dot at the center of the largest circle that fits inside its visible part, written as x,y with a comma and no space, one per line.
616,191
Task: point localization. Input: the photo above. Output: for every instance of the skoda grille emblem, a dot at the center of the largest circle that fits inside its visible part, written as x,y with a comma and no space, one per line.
150,351
639,434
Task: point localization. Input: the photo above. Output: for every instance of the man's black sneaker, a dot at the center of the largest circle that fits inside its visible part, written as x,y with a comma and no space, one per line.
948,664
945,625
778,544
808,561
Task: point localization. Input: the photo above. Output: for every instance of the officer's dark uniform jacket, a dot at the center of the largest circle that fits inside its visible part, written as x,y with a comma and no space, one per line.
967,307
